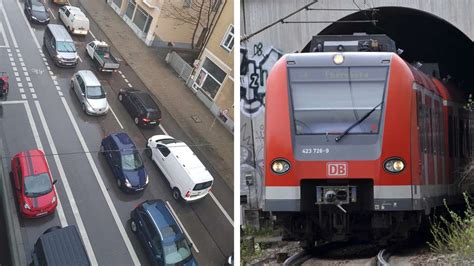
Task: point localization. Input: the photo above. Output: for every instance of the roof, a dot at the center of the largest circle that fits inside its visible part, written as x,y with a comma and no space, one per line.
63,247
60,32
190,162
75,10
33,162
146,99
123,141
164,221
89,78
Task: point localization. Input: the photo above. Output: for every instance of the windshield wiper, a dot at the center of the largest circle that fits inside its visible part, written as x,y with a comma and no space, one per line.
338,138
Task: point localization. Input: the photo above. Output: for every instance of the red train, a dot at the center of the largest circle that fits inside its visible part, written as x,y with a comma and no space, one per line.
360,145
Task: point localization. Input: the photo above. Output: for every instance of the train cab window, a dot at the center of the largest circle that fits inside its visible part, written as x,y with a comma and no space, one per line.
421,120
330,100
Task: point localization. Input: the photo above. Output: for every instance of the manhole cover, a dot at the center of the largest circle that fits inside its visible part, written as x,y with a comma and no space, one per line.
196,119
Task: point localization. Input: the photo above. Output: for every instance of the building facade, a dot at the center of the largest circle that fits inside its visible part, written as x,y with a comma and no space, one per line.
167,22
213,80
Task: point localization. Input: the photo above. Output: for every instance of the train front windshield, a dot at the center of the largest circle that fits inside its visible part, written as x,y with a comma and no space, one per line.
329,100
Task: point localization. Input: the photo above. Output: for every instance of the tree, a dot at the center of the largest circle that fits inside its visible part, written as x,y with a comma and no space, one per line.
193,12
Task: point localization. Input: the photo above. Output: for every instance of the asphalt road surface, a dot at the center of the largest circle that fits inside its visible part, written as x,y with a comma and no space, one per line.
42,112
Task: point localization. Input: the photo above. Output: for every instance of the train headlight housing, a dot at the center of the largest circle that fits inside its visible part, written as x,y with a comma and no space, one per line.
394,165
338,59
280,166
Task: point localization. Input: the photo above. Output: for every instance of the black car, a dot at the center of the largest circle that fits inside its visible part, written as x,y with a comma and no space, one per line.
140,105
36,11
160,234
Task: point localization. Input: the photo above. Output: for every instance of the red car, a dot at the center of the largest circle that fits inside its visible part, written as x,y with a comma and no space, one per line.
33,184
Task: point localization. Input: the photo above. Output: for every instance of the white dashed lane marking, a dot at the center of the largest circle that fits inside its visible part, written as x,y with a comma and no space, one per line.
34,96
23,96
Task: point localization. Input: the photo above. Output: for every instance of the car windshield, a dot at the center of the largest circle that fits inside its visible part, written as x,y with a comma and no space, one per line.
328,100
95,92
66,47
37,185
176,252
131,161
39,8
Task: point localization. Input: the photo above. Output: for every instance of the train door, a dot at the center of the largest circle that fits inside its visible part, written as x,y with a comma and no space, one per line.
438,153
429,131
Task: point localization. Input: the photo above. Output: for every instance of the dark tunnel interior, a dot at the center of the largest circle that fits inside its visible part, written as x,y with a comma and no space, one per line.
422,36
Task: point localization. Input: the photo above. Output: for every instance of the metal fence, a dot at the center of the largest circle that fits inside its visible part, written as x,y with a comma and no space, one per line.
179,65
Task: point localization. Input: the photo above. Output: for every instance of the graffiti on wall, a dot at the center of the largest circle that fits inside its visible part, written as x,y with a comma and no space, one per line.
255,64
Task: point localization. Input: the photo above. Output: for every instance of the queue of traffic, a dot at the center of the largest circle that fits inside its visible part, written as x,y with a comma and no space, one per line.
152,221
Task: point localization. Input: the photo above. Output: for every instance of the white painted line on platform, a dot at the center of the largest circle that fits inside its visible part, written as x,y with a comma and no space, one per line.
34,96
182,226
102,186
222,209
67,188
116,118
23,96
15,44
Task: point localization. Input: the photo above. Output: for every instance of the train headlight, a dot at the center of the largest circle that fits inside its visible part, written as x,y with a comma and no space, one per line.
280,166
394,165
338,59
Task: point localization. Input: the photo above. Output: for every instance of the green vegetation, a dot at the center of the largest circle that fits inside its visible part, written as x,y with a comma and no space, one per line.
249,248
455,234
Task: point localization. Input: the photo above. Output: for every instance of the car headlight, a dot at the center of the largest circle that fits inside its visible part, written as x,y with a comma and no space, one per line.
26,206
59,57
147,180
127,183
280,166
53,200
33,17
394,165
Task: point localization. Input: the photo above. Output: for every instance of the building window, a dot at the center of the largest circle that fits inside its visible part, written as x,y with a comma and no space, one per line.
210,78
142,19
130,8
187,3
228,40
118,3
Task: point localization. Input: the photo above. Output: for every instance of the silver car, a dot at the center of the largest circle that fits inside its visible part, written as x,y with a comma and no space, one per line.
90,93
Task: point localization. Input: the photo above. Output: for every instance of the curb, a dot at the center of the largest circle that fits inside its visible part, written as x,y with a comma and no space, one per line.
17,252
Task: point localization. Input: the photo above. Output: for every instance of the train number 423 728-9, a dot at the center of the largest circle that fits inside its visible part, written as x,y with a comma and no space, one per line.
315,150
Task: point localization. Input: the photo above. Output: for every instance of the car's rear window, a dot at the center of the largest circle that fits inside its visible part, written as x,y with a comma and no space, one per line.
153,115
202,186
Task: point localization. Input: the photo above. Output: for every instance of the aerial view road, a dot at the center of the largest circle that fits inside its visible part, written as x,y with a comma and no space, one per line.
42,112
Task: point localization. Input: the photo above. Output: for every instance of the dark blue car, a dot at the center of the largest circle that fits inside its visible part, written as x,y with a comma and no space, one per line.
125,162
160,234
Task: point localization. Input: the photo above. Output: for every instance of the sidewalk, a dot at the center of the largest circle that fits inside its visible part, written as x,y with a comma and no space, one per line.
170,90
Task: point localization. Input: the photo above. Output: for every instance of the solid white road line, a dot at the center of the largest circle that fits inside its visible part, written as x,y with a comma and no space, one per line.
4,36
59,207
80,59
222,209
28,25
92,34
102,187
15,44
163,129
50,11
182,227
67,188
116,118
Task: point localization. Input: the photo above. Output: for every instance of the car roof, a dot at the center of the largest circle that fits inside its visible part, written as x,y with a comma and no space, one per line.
89,78
190,162
60,33
167,226
146,99
37,3
32,162
123,141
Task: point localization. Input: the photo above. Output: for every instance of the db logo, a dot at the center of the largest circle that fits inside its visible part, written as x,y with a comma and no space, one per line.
336,169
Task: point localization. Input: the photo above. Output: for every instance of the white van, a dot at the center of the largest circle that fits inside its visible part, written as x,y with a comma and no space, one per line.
74,19
188,177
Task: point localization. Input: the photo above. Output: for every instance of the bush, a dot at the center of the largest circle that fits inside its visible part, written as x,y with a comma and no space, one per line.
454,234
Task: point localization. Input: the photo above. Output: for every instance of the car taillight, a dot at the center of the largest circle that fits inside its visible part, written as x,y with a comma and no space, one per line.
146,120
188,194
